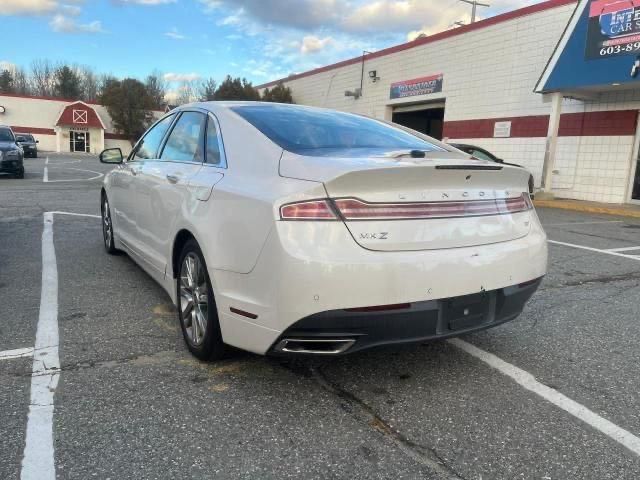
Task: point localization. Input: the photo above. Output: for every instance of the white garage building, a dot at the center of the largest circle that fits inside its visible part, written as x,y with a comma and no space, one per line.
61,125
549,86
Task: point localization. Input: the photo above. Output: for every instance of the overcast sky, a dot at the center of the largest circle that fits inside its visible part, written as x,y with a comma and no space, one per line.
259,39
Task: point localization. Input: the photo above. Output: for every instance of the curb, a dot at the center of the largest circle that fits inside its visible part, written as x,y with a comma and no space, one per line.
586,208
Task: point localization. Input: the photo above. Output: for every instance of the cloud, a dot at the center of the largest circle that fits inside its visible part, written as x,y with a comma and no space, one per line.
27,7
147,2
173,33
304,15
62,24
356,16
181,77
320,32
312,44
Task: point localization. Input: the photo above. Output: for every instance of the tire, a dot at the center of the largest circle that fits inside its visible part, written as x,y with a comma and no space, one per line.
107,227
20,174
196,314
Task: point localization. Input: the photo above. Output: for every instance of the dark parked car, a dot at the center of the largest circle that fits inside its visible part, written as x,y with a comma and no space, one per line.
11,155
482,154
28,144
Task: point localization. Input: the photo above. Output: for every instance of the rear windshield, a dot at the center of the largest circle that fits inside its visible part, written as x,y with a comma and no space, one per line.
28,138
6,135
311,131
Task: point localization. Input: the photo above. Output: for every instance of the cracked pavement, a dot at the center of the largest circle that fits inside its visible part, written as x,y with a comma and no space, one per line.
131,403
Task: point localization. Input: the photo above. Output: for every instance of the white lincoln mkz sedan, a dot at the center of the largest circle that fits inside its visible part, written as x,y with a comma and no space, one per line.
283,229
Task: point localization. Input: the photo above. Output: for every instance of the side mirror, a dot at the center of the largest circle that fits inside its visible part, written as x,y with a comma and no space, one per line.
112,156
37,141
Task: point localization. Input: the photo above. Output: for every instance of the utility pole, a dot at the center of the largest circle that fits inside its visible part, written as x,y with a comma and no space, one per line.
474,4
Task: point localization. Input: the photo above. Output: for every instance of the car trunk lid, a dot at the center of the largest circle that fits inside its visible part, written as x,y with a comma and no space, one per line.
395,202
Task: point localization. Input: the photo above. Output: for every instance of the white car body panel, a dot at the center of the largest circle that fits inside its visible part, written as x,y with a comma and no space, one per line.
283,271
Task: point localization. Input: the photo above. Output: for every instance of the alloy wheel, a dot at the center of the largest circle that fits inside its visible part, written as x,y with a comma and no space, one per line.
106,224
194,302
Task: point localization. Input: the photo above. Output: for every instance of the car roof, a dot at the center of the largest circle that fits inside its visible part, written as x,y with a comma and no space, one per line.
218,105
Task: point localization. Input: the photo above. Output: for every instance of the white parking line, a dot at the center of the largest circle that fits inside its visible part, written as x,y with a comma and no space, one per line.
568,224
38,462
56,212
45,175
17,353
528,381
623,249
607,252
98,175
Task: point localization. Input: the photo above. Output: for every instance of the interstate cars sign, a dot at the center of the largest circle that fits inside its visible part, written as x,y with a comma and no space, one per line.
614,28
417,86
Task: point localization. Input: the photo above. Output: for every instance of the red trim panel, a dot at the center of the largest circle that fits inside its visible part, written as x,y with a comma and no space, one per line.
532,126
521,12
597,124
39,131
589,124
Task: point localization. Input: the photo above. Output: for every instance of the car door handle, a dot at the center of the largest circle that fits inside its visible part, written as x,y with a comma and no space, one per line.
173,178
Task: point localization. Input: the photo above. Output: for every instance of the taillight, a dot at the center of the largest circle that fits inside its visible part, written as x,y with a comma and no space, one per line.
309,210
354,209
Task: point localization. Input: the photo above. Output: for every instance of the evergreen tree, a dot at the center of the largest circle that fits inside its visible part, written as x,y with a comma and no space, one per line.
236,89
6,82
67,83
129,105
279,94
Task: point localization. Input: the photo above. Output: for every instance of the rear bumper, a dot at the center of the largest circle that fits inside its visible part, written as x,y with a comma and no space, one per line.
310,273
422,321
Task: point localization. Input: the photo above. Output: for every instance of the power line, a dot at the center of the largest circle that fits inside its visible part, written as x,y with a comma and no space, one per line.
474,4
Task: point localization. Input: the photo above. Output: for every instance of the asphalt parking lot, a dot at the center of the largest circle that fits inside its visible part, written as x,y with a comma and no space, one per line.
551,395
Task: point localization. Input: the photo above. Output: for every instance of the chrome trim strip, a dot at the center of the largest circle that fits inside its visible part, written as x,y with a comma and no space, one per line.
345,345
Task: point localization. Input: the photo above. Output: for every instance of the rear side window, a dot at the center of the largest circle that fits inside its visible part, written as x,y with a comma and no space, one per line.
186,140
148,146
309,130
479,154
215,151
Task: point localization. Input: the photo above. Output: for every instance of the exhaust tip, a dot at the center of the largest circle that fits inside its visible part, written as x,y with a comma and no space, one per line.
318,346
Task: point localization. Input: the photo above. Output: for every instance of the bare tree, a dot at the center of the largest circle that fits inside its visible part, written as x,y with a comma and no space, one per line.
157,88
88,83
186,92
21,82
42,73
103,81
207,90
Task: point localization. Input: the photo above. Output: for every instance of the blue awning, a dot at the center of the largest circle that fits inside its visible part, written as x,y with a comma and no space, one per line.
598,51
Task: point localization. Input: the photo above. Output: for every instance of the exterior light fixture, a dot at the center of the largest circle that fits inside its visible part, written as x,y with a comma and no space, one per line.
356,94
373,75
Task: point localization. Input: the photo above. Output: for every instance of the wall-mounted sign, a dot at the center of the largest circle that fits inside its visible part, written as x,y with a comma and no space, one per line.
78,129
614,28
502,130
417,86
